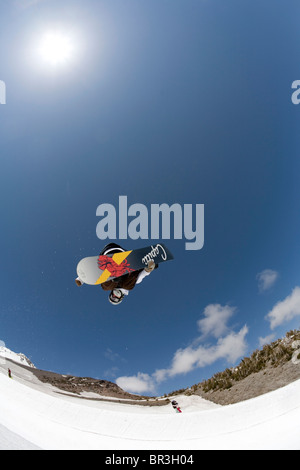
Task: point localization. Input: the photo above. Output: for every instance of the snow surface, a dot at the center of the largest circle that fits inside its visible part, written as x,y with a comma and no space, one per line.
17,357
34,415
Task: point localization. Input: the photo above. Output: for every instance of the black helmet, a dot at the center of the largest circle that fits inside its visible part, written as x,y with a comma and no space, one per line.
111,248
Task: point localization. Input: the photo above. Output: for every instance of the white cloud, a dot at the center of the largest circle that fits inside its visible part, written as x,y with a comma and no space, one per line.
233,346
285,310
266,279
230,346
141,383
215,321
266,340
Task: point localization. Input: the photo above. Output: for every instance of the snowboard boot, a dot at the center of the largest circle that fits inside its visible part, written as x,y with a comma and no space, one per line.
78,281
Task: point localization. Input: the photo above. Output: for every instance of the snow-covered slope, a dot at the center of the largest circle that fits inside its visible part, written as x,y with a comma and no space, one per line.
36,415
17,357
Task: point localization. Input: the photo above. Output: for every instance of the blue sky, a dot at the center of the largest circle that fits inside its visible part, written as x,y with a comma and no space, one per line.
165,101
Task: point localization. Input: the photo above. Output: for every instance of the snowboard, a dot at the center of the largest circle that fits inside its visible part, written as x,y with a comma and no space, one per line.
95,270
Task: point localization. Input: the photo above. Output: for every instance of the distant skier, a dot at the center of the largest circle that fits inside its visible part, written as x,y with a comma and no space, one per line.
176,406
119,287
9,373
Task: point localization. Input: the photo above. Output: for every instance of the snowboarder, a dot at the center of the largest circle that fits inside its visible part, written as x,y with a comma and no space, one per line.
119,287
176,406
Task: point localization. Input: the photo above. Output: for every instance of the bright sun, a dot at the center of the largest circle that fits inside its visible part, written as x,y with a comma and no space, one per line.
56,48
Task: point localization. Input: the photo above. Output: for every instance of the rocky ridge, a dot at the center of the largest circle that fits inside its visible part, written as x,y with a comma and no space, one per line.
275,365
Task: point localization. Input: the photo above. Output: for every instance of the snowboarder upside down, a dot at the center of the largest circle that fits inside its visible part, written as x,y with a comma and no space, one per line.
119,287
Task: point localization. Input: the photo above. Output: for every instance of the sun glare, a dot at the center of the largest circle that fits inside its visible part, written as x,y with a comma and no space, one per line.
56,48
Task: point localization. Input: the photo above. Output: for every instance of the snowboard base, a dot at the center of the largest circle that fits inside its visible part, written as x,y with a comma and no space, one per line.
96,270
